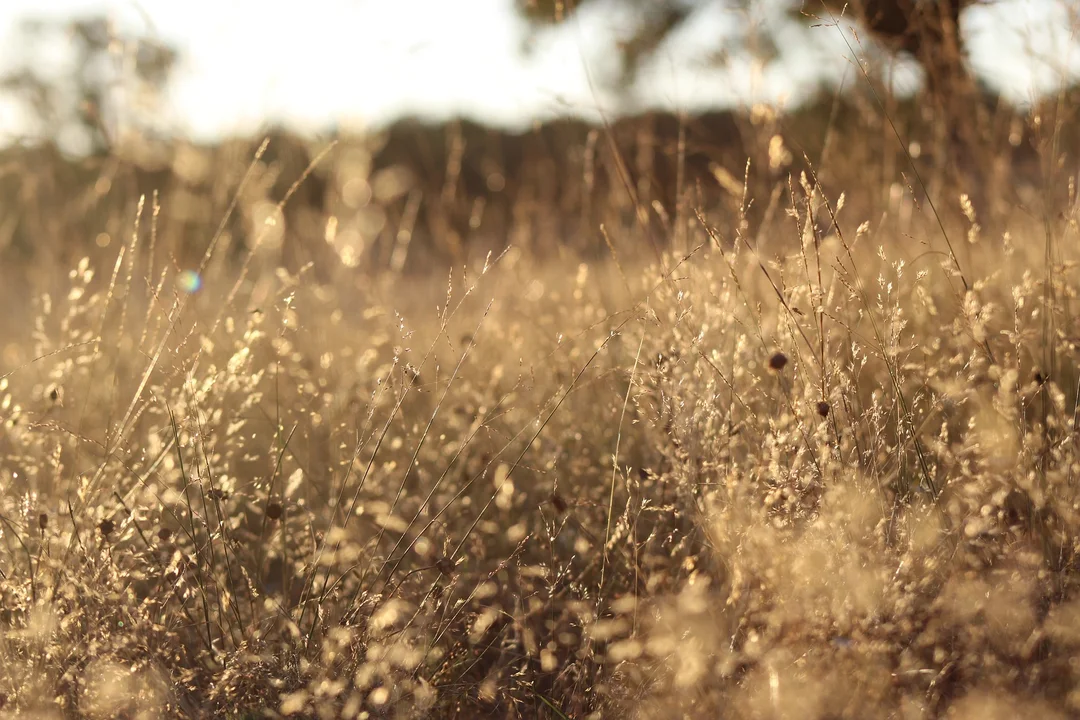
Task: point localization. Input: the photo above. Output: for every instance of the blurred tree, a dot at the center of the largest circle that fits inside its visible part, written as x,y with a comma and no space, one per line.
957,110
926,29
113,84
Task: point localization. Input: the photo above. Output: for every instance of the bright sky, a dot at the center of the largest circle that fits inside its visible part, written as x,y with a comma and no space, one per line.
325,62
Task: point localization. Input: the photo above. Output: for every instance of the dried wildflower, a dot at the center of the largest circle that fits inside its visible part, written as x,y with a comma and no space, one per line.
778,361
823,408
274,511
445,565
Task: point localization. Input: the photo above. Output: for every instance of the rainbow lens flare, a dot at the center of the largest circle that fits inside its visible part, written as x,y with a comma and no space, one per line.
189,281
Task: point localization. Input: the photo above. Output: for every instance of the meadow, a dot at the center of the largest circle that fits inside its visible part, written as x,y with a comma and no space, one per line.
799,443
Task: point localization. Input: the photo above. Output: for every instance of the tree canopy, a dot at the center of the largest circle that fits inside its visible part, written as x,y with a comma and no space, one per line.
927,30
114,81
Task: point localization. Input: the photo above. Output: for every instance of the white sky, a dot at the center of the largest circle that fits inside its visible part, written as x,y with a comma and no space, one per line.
320,62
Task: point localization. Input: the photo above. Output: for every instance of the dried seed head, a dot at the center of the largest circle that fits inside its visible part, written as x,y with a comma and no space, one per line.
274,510
778,361
823,409
43,520
164,534
558,502
106,527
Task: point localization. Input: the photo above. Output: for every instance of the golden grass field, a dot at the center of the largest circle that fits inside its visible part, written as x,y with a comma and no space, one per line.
822,467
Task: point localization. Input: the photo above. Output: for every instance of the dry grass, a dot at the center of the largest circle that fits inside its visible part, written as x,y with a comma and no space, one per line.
833,479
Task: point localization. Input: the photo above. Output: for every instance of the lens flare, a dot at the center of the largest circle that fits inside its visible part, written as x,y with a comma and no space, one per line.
189,281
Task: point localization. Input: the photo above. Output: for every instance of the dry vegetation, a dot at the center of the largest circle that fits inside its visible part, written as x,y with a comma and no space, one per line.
821,465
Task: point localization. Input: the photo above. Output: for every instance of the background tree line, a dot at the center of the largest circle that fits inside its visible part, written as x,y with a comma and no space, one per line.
445,188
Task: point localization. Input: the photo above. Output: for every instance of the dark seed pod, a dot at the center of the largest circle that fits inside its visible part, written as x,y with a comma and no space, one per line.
106,527
164,534
558,503
778,361
43,520
823,409
274,511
